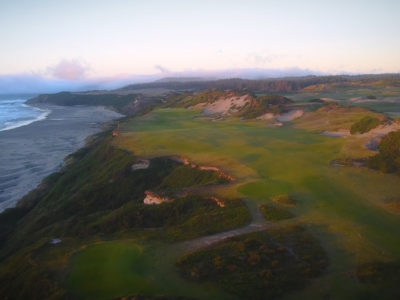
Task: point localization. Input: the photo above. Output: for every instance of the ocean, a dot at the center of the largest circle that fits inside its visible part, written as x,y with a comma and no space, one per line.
35,141
14,112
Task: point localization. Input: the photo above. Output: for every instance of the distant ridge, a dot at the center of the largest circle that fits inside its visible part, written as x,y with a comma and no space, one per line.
184,79
284,84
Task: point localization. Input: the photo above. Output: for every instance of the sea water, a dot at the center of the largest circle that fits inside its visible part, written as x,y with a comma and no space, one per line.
14,112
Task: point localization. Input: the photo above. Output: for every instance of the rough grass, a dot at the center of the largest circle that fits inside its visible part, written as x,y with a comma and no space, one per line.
186,176
115,269
284,199
100,196
275,213
258,266
388,158
210,220
334,117
346,203
382,278
364,125
184,218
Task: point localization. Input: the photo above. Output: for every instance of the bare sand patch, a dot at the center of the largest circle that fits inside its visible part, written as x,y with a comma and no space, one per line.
226,106
290,116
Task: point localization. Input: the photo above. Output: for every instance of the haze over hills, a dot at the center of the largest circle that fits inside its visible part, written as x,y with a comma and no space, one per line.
39,83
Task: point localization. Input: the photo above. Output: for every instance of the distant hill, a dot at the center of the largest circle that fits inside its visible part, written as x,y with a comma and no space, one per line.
286,84
184,79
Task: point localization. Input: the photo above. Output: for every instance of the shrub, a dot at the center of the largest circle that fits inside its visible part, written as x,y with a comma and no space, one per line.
265,266
284,199
364,125
274,213
388,159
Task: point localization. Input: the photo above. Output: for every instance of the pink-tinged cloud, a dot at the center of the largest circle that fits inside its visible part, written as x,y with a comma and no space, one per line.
69,70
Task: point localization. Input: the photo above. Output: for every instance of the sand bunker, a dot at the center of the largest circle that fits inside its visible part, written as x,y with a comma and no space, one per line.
225,106
290,116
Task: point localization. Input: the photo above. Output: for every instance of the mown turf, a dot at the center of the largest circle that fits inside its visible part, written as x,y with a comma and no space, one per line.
125,268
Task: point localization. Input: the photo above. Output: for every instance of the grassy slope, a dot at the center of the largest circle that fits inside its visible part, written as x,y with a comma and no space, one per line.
119,268
334,118
343,204
262,265
99,196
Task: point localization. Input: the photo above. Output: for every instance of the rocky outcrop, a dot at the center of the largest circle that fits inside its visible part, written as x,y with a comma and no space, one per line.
140,164
155,199
220,202
187,162
221,174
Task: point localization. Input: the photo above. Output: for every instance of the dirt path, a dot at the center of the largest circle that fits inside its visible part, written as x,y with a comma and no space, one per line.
258,223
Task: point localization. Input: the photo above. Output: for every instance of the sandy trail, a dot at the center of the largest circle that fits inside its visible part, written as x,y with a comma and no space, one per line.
258,223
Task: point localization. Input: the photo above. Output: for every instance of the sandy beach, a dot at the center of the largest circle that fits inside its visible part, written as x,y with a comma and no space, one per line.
30,153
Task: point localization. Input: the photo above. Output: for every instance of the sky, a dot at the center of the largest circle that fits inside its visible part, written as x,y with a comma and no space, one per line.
79,40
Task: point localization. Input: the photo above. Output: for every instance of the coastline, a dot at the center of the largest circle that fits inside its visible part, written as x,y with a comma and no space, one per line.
33,151
44,115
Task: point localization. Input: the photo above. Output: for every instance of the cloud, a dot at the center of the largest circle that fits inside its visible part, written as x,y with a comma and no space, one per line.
162,69
258,59
72,69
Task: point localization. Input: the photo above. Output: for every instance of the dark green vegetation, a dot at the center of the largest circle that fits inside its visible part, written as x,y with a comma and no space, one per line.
183,218
275,213
96,197
70,99
364,125
185,176
269,103
284,199
258,266
382,278
388,159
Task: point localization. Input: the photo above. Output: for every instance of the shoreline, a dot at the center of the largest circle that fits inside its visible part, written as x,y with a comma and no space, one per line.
43,116
33,151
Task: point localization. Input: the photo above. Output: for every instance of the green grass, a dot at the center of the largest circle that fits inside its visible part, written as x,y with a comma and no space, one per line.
99,196
285,200
275,213
186,176
364,125
211,219
382,279
334,117
344,208
127,268
346,205
263,265
112,266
